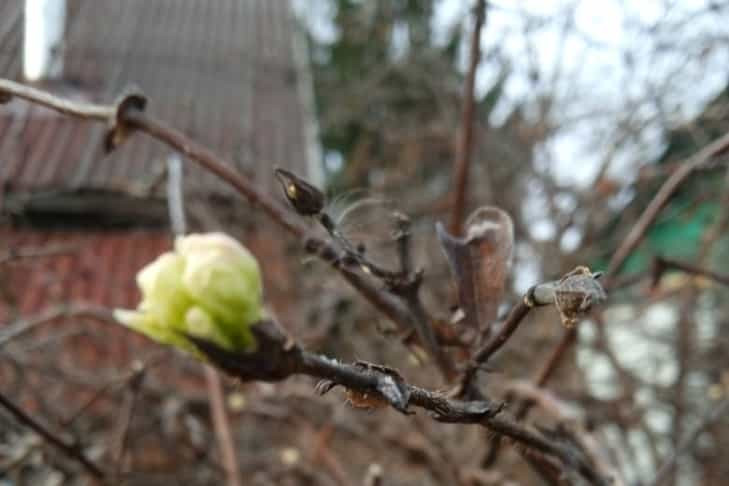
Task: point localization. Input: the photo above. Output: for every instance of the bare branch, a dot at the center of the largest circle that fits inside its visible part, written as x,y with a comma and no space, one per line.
636,235
465,140
12,254
71,450
649,215
688,442
134,118
68,107
277,357
662,264
221,424
120,437
21,326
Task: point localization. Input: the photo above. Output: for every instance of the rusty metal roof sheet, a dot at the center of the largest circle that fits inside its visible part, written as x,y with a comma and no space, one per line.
222,71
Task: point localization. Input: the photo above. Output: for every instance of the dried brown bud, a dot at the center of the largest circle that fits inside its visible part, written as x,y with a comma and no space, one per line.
306,199
365,400
576,293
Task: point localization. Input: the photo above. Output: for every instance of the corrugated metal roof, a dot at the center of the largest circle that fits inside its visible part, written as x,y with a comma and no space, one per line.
223,71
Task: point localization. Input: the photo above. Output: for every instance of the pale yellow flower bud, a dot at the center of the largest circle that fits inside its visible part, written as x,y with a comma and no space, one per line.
209,287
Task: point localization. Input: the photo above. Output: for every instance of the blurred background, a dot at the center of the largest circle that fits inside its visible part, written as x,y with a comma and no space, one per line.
581,112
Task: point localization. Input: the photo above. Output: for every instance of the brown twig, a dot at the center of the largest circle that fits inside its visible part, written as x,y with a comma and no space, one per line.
390,306
71,450
512,322
292,360
12,254
321,453
636,235
278,357
120,439
465,139
659,201
665,469
21,326
541,379
662,264
67,107
568,419
221,424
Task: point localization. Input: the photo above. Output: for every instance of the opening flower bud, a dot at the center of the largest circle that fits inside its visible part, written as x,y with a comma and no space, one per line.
209,287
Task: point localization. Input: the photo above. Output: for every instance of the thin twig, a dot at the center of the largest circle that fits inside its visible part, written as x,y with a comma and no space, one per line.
121,432
664,264
17,328
278,357
659,201
71,450
512,322
65,106
465,139
382,301
221,424
403,284
570,420
277,367
636,235
12,254
544,373
688,442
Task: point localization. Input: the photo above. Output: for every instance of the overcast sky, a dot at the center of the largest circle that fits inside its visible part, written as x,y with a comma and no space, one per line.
591,64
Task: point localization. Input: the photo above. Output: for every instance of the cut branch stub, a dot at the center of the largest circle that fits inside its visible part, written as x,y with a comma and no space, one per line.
480,263
119,130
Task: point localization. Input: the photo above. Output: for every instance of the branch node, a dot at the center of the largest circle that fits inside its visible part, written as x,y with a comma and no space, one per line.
529,297
119,130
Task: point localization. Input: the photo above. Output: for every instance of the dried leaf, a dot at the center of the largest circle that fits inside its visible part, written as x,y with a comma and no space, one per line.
576,293
480,263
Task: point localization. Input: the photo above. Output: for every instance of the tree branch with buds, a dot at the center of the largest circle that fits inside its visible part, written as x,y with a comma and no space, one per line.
483,253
